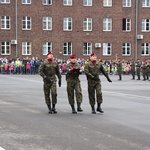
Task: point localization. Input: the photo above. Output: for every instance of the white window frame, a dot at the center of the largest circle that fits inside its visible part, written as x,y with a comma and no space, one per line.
87,48
6,47
47,2
5,22
126,47
107,49
67,24
87,2
5,1
26,1
126,3
47,23
67,2
87,24
145,25
67,48
107,24
107,3
145,3
47,46
127,24
26,21
145,49
26,48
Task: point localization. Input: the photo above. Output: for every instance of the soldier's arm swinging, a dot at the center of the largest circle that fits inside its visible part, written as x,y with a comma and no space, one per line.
105,73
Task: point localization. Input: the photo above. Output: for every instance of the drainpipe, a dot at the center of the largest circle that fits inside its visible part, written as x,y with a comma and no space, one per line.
17,28
136,29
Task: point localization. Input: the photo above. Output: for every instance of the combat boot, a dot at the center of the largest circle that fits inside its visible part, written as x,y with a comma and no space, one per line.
54,109
73,109
93,110
99,108
79,107
49,109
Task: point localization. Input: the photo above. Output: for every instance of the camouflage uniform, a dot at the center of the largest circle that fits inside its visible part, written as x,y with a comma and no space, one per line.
119,70
48,70
133,70
73,84
144,67
138,69
148,70
94,83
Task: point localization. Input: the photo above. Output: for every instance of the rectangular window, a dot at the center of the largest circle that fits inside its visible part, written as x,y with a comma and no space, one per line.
126,24
126,48
67,24
47,2
87,48
26,23
67,48
5,22
26,48
26,1
107,24
126,3
87,24
107,49
145,3
87,2
145,25
4,1
5,48
47,46
67,2
107,3
47,23
145,49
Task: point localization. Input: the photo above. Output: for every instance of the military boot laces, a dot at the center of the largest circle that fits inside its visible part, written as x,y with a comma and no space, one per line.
79,107
93,110
49,109
99,109
54,109
73,109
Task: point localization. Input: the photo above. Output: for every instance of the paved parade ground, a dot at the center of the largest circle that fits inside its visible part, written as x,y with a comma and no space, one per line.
26,125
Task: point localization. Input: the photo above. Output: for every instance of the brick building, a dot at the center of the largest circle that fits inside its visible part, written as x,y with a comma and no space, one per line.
112,28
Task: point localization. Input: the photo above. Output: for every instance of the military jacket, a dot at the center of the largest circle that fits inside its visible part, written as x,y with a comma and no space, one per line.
92,70
119,66
50,70
73,75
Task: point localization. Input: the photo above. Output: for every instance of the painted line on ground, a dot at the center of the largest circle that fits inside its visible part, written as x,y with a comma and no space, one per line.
1,148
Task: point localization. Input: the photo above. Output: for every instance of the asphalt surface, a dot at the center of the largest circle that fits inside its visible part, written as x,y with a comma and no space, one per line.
26,125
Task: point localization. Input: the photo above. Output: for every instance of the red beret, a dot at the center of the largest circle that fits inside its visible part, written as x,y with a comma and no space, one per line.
92,54
73,56
49,52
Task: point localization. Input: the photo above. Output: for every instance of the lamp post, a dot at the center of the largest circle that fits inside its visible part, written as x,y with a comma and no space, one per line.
16,27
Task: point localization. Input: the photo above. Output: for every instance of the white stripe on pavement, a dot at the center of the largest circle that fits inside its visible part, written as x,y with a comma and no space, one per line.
1,148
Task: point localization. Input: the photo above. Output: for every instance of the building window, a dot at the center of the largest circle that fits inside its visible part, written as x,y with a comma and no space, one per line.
126,24
26,1
107,24
145,3
87,24
87,48
67,48
145,25
126,49
126,3
5,48
5,1
107,3
67,2
67,25
87,2
47,2
26,23
47,23
26,48
5,22
145,49
107,49
47,46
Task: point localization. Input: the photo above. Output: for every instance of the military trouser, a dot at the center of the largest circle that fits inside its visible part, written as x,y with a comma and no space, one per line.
50,89
74,86
120,74
144,74
94,86
138,73
133,73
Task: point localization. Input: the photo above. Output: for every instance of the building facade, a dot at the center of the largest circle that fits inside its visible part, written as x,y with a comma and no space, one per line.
111,28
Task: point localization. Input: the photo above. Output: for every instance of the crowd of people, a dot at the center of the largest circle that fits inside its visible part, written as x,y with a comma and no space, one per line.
30,65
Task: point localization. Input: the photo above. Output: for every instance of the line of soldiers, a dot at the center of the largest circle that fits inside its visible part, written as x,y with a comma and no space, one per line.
137,68
49,70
